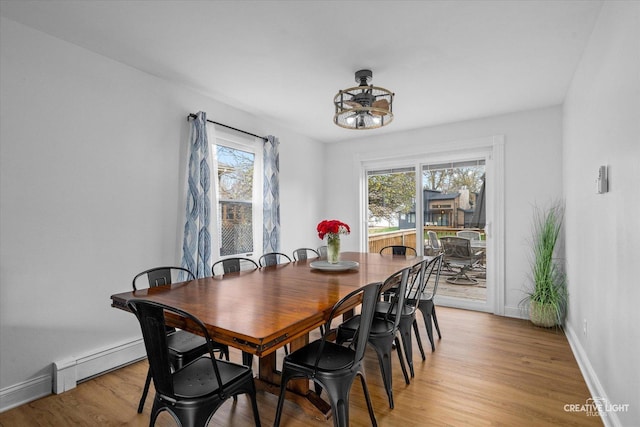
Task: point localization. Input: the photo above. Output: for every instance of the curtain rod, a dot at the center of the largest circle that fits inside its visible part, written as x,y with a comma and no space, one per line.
264,138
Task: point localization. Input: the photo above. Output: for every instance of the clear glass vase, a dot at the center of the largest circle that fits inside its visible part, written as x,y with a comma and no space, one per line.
333,249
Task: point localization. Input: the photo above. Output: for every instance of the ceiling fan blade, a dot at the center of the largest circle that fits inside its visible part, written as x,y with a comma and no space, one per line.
382,104
353,104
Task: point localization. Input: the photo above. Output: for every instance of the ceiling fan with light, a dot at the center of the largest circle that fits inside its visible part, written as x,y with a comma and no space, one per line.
364,106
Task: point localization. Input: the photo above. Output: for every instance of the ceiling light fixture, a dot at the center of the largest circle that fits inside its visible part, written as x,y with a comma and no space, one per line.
364,106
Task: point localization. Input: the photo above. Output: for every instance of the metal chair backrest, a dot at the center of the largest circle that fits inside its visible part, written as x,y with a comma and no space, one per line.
469,234
398,283
233,265
322,251
431,277
304,253
370,295
273,258
398,250
457,248
160,276
434,241
415,285
151,316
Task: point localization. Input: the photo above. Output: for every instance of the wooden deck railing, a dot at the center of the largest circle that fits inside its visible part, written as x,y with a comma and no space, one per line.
407,237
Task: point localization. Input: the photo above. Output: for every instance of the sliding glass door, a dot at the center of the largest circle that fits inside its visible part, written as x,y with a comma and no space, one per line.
428,202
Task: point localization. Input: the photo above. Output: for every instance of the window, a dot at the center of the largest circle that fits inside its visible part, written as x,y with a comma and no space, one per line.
238,195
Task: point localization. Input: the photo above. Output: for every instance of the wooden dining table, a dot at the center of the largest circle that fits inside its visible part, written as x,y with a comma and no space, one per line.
263,310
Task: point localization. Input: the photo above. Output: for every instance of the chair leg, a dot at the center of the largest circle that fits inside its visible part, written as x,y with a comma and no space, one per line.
155,411
462,278
247,359
145,391
402,364
338,392
194,416
224,352
427,324
367,397
435,321
284,379
382,348
254,404
405,334
426,308
418,340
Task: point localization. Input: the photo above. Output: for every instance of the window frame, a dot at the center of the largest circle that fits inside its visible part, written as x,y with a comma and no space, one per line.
234,140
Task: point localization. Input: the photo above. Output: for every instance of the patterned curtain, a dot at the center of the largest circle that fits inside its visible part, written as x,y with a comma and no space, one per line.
271,196
196,246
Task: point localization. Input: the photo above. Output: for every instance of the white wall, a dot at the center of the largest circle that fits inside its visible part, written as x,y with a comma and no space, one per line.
90,170
91,175
533,159
602,127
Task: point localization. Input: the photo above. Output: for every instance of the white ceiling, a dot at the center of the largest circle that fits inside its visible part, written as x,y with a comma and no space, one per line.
446,61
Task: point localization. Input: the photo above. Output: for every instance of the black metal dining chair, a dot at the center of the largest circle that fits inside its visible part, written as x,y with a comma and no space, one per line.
159,276
398,250
407,312
332,366
322,251
183,346
194,392
233,265
425,303
273,258
384,331
305,253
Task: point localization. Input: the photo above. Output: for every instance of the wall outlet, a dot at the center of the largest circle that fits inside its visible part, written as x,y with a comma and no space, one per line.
584,327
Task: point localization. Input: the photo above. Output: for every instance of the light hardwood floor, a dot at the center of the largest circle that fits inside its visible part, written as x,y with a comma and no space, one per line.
486,370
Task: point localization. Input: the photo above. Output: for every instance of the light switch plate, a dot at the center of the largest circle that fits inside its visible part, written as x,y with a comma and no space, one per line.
602,183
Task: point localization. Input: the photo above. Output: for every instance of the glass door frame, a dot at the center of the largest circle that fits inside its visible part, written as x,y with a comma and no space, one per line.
492,150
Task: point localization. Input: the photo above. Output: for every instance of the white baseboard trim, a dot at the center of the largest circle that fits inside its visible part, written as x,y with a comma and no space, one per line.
68,372
516,312
24,392
609,419
463,304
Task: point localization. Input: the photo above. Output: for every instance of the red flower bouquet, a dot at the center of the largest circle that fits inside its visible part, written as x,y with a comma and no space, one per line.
332,228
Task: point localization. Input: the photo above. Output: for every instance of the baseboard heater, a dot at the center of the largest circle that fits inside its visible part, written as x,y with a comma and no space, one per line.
68,372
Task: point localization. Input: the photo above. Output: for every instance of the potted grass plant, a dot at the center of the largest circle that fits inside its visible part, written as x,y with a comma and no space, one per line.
548,297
